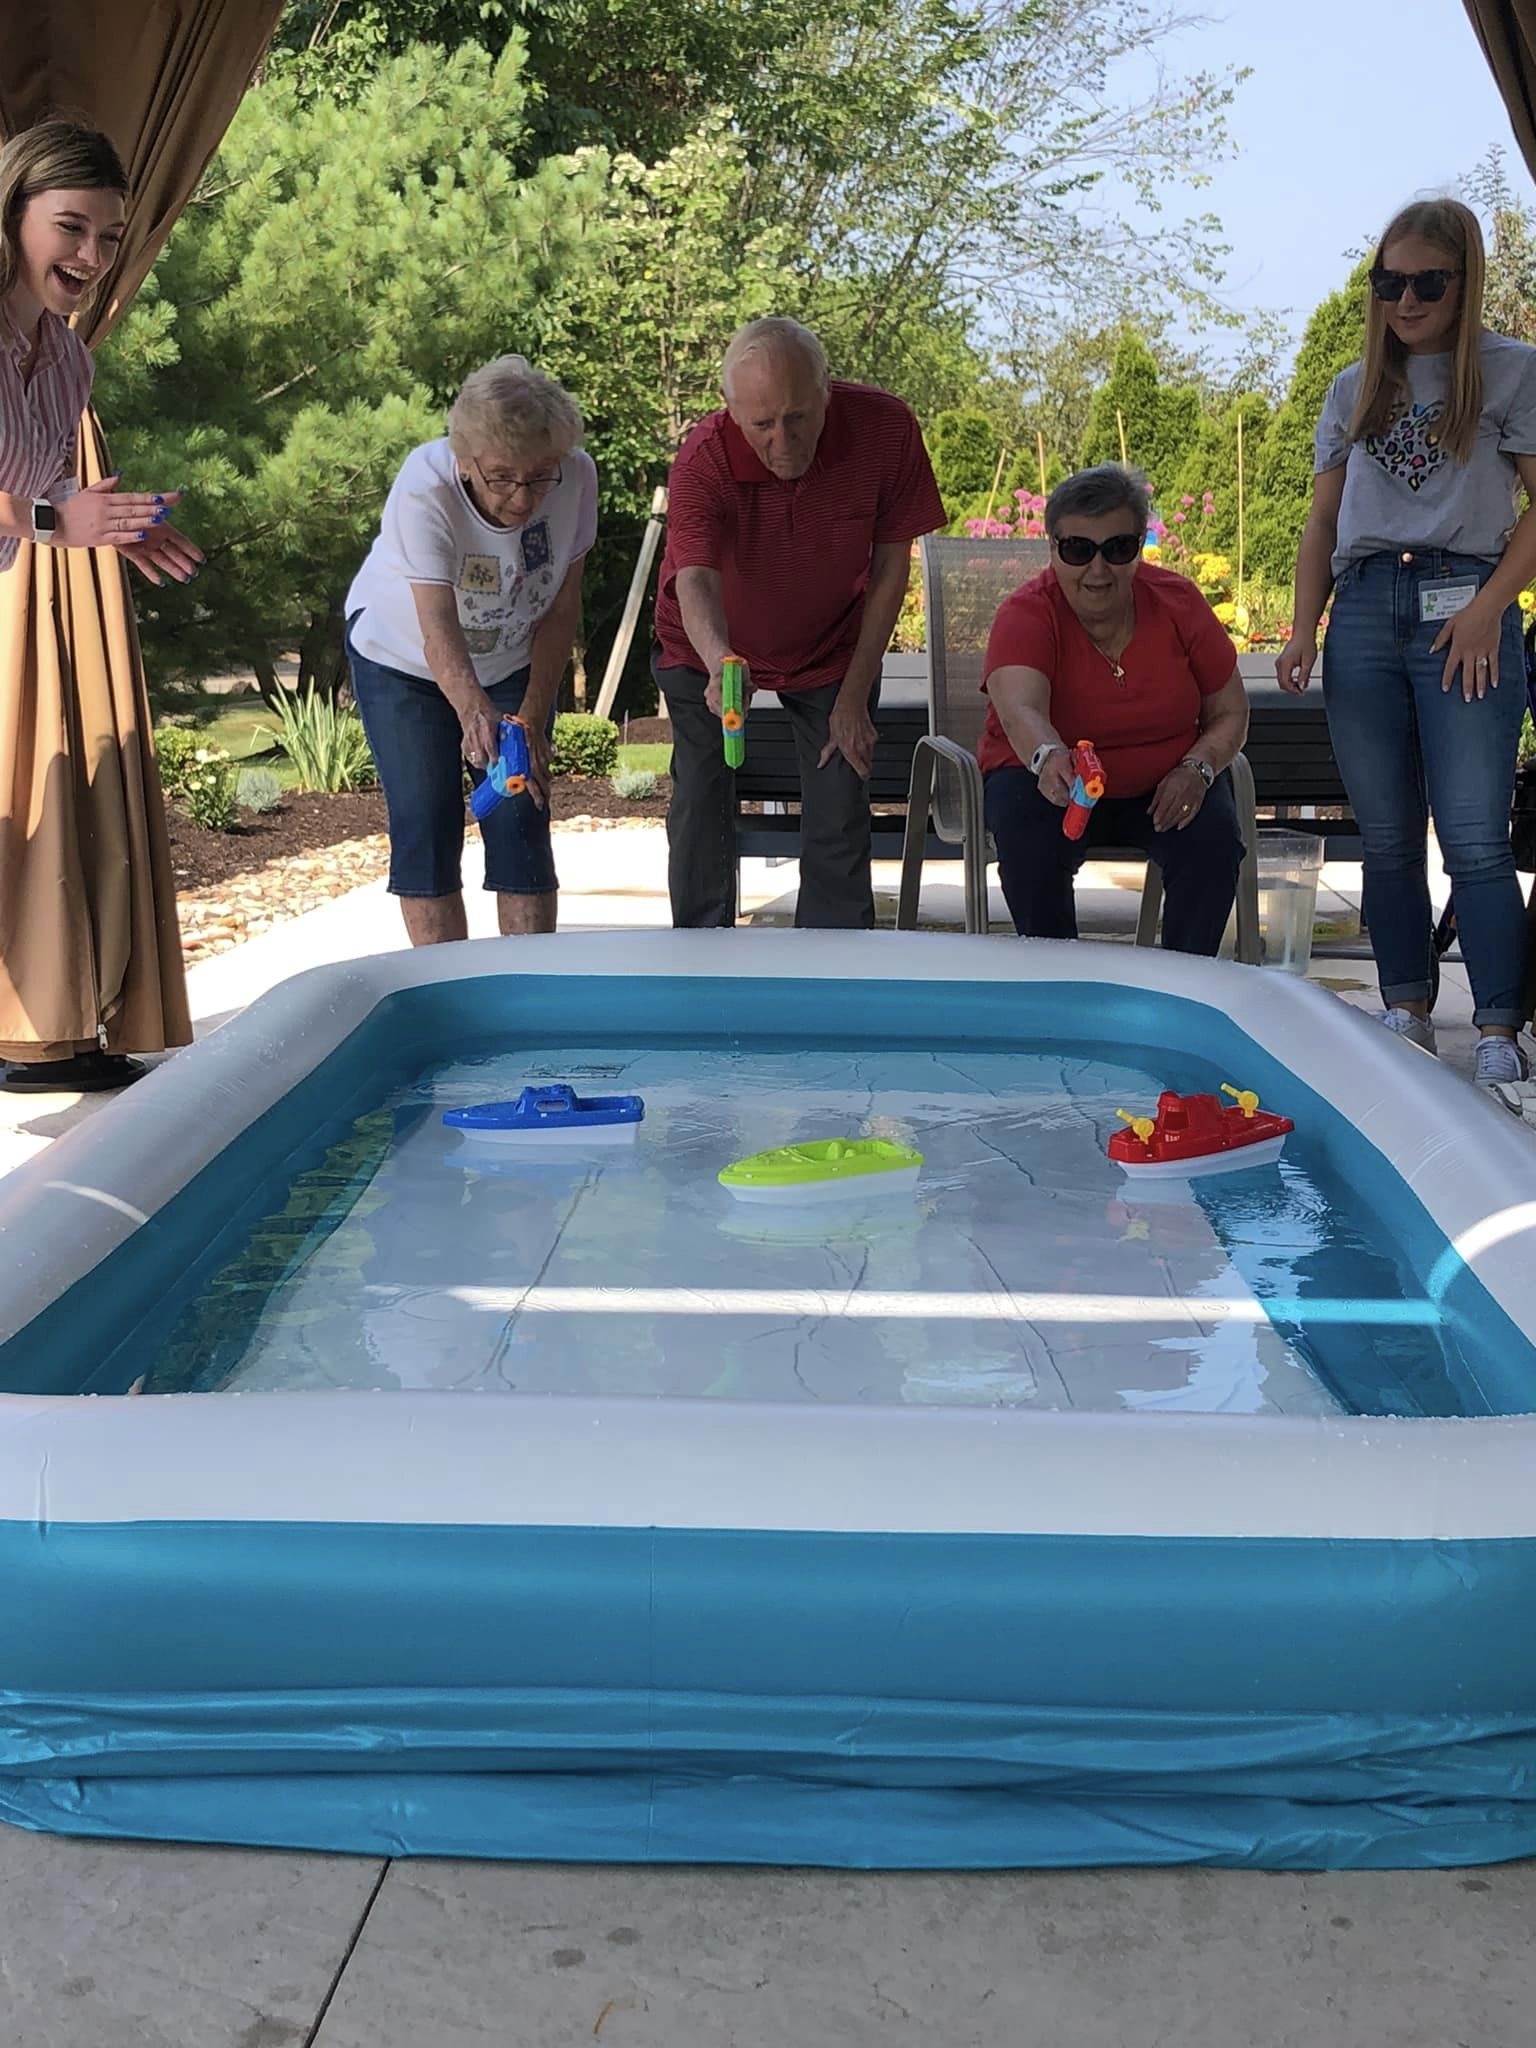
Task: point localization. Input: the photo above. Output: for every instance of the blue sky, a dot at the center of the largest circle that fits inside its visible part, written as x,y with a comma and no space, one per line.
1354,106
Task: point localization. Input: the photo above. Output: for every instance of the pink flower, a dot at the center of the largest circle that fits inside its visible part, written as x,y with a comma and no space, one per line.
1179,518
1186,499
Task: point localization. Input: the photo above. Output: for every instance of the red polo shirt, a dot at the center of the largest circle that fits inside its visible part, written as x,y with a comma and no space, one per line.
794,557
1141,727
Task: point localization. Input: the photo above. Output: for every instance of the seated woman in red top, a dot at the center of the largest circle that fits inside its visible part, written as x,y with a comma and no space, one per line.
1103,646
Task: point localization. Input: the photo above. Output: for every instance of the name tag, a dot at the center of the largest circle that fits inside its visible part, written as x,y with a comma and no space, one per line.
1445,600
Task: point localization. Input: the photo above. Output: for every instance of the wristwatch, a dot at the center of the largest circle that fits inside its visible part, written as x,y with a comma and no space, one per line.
1203,769
1042,754
45,519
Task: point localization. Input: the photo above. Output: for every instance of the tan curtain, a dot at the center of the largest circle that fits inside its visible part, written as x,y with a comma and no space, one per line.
88,935
1507,31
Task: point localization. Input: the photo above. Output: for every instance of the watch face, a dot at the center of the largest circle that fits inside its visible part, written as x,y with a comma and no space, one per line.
45,517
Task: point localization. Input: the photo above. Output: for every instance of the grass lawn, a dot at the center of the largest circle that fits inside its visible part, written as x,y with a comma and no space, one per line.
654,757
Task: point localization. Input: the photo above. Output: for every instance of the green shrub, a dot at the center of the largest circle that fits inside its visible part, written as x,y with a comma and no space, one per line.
630,783
326,744
258,789
584,745
175,745
208,789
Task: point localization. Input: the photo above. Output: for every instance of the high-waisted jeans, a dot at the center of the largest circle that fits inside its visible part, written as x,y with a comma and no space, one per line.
1408,749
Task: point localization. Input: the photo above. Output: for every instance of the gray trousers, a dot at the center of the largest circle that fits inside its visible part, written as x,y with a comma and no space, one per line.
835,892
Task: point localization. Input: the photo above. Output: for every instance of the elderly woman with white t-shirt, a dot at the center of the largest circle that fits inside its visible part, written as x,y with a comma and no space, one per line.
466,611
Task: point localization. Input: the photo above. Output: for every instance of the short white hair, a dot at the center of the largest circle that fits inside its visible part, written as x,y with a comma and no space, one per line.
776,337
515,409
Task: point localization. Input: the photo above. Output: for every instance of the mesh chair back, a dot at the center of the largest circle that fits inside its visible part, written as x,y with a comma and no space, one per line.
964,583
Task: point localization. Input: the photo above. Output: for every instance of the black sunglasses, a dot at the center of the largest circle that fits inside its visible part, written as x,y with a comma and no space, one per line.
1077,550
1428,285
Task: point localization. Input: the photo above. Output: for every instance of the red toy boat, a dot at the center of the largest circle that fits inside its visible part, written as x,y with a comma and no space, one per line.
1198,1134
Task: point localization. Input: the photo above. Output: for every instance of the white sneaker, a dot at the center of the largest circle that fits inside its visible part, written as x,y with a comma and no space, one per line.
1500,1062
1419,1031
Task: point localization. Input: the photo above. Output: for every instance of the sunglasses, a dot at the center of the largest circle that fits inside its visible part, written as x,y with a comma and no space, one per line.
1077,551
1428,285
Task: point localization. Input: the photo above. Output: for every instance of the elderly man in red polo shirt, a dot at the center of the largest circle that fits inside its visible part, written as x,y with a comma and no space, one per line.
792,515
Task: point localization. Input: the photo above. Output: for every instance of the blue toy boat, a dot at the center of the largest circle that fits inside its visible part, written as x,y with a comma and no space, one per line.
553,1115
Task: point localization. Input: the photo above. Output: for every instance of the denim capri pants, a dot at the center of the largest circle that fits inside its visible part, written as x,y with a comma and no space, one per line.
417,746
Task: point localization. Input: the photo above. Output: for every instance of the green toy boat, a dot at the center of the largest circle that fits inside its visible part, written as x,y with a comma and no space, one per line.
823,1169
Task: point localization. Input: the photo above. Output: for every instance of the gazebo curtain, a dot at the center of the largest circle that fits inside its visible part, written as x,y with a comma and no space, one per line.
89,947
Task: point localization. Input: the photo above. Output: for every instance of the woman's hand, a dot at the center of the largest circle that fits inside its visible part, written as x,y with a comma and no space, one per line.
538,763
1295,662
1177,799
480,728
1056,778
1472,642
102,516
164,552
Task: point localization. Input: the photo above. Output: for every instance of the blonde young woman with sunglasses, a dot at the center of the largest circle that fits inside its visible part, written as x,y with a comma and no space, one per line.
1421,449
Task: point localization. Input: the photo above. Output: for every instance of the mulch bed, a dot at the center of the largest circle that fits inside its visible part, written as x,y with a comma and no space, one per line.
311,824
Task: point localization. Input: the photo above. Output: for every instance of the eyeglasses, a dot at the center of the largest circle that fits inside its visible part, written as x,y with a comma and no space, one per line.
504,485
1077,550
1428,285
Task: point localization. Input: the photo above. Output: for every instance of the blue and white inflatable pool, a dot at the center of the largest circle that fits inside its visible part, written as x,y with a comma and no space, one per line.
360,1491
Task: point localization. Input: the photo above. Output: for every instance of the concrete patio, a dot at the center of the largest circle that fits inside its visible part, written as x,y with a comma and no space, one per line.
122,1946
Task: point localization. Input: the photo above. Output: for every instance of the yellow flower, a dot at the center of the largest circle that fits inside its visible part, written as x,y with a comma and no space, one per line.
1227,613
1528,602
1152,552
1212,568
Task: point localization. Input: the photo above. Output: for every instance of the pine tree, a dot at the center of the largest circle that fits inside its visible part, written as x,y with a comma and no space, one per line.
1334,338
340,271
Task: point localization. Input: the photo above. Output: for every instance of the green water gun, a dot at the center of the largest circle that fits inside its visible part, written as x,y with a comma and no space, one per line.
733,709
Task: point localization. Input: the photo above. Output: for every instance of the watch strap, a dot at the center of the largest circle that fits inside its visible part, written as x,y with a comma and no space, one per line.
1042,754
1203,769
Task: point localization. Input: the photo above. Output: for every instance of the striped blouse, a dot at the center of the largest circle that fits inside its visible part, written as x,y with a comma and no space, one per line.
39,418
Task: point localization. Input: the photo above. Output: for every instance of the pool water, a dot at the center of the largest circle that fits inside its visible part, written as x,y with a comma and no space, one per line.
1024,1272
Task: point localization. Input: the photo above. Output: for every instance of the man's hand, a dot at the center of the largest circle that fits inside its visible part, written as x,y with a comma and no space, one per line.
480,729
1056,778
852,734
712,689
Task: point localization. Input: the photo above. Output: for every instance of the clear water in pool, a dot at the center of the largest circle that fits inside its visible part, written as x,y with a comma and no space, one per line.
1023,1271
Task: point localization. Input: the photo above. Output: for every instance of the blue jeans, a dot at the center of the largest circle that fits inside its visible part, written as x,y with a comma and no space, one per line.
1406,749
414,734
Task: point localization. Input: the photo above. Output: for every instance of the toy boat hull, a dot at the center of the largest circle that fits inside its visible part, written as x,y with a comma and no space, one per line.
567,1138
551,1118
845,1188
823,1170
1264,1152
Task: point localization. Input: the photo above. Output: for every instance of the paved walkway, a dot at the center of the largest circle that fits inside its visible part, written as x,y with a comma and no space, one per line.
126,1946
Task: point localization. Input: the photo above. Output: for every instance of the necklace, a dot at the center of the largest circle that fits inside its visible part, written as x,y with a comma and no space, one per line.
1116,669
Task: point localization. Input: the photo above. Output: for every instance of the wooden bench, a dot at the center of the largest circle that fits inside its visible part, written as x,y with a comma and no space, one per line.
1288,749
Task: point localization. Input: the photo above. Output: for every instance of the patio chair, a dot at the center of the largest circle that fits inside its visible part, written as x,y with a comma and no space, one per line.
964,582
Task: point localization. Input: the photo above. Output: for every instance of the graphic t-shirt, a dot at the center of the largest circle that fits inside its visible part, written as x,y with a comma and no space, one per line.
1401,488
504,577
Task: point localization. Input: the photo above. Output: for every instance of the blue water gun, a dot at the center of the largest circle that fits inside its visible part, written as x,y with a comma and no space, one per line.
507,774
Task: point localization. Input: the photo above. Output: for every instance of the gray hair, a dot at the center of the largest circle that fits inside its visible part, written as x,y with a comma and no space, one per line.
1094,493
510,406
776,337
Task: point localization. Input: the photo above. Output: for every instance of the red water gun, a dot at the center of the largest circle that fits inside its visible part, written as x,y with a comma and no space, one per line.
1087,788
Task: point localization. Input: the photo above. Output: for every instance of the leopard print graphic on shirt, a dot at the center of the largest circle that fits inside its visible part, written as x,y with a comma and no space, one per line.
1410,449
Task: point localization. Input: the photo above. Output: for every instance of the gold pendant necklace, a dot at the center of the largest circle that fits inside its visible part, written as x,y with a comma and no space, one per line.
1115,668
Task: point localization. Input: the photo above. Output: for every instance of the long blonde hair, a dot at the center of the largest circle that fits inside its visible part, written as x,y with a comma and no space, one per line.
55,156
1383,392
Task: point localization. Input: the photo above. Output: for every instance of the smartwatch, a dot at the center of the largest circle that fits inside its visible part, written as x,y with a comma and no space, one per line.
1042,754
1203,769
45,519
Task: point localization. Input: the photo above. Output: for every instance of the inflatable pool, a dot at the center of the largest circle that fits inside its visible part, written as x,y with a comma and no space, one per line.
365,1488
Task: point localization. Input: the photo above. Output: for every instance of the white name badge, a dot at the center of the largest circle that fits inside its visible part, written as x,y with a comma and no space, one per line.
1445,600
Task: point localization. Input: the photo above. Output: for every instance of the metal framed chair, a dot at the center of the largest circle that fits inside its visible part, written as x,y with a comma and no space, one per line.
964,582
